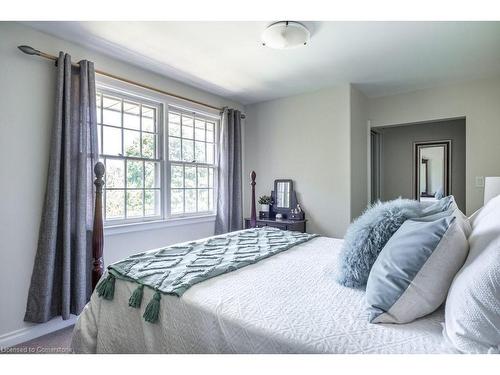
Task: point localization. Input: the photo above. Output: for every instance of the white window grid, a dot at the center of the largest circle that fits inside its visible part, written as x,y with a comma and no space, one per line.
162,154
157,133
212,189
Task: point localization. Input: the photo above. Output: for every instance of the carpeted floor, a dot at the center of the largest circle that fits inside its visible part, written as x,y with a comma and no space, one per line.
53,343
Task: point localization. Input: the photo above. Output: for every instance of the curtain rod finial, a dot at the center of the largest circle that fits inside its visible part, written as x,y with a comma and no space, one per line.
29,50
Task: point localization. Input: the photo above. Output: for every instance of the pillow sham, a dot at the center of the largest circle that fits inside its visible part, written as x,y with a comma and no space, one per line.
366,237
472,312
440,205
462,220
413,273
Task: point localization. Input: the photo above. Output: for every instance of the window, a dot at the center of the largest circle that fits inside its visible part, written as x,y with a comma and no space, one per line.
129,131
191,162
159,165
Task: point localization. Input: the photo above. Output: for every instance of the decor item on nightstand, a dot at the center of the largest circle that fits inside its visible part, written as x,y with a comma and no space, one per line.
265,201
296,213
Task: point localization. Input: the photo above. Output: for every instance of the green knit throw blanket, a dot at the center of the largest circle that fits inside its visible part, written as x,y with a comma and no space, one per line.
174,269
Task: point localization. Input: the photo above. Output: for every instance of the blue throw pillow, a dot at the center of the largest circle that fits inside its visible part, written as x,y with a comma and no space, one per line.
367,236
440,205
414,271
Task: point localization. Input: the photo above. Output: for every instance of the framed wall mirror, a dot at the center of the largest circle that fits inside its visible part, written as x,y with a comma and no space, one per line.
432,170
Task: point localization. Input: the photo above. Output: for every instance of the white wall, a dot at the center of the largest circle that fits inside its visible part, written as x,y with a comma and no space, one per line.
26,111
305,138
478,102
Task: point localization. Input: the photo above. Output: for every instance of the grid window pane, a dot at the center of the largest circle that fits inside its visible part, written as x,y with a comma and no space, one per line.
202,200
112,103
210,131
199,130
202,177
134,174
177,201
210,199
148,119
98,108
135,203
190,177
111,141
115,173
115,204
190,201
151,202
177,176
199,152
187,150
210,153
174,118
151,174
187,127
211,177
148,145
132,143
99,138
112,111
174,129
131,115
174,148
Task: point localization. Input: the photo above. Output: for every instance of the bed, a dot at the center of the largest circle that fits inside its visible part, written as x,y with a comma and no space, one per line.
287,303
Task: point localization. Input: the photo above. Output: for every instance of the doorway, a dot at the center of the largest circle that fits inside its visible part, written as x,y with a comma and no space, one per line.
396,172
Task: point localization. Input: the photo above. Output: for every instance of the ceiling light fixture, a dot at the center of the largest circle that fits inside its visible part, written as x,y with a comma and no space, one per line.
285,34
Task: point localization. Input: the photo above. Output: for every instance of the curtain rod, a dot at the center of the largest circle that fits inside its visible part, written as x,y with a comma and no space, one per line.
31,51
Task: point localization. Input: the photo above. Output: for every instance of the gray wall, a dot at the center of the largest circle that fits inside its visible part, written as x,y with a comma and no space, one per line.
397,156
306,138
359,152
476,101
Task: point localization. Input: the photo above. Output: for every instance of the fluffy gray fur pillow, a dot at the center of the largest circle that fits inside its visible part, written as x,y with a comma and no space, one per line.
367,236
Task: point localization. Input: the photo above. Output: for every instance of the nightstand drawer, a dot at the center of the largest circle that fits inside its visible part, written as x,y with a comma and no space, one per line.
294,225
277,225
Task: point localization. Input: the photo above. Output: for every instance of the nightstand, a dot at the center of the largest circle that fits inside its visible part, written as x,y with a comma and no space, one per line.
295,225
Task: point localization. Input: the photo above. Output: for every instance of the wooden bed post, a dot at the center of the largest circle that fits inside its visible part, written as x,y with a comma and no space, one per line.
253,215
97,235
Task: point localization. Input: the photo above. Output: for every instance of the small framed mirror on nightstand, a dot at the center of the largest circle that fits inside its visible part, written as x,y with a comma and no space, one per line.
284,197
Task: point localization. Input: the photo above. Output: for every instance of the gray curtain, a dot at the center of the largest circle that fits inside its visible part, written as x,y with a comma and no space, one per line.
229,203
61,279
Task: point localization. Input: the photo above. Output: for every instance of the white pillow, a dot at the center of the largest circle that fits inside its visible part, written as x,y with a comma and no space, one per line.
472,313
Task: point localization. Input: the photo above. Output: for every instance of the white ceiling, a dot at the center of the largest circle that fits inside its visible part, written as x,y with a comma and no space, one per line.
226,58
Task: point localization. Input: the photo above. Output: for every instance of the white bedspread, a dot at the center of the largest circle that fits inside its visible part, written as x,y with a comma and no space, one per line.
288,303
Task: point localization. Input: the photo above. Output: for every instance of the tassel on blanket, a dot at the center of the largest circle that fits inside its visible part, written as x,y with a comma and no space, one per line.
106,288
153,309
136,297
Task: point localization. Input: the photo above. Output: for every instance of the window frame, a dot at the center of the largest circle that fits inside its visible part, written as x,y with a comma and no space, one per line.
165,219
215,166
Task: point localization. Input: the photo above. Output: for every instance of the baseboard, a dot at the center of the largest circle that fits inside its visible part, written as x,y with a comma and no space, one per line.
32,332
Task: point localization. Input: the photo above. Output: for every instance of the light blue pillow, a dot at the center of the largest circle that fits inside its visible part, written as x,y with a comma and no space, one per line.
453,210
414,271
368,234
439,193
440,205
